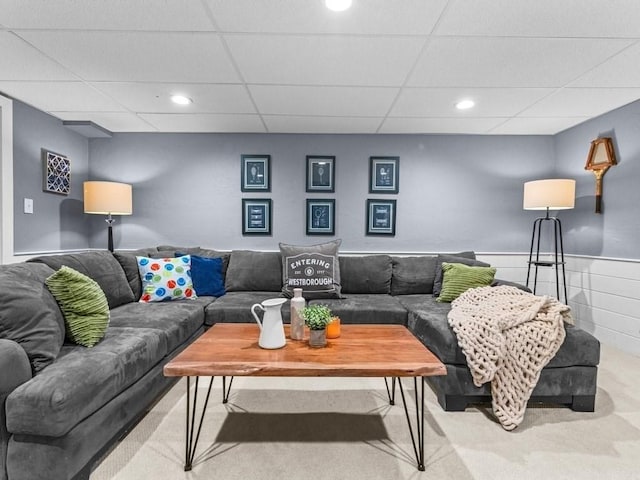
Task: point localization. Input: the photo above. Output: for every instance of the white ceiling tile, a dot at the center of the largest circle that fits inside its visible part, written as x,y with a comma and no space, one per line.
184,15
60,96
536,126
156,97
114,122
205,122
324,101
154,57
400,17
298,124
440,102
623,70
585,102
20,61
317,60
440,125
552,18
513,62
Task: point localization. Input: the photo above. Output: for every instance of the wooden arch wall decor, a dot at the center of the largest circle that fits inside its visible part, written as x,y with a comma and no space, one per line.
601,157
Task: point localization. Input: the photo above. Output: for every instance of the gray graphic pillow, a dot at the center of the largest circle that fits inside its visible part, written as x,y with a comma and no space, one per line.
314,268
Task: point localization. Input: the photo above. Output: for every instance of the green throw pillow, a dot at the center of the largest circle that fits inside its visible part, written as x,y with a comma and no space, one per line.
83,304
458,278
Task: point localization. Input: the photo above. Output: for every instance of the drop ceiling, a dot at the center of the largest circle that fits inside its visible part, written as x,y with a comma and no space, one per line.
292,66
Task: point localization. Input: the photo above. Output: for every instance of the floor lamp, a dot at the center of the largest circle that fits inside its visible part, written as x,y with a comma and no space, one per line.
108,198
556,194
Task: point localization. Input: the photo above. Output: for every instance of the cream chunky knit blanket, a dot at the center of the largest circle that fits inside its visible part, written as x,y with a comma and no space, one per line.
508,336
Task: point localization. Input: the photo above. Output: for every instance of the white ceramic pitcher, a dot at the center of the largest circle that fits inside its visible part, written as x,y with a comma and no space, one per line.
271,327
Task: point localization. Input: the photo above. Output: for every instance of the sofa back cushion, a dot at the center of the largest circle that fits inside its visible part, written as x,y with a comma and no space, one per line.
29,315
102,267
413,275
200,252
129,264
254,271
365,274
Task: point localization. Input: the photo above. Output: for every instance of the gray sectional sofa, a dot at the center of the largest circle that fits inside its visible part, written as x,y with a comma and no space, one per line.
62,405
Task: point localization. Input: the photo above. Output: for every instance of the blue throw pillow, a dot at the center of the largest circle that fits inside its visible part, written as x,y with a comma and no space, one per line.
207,277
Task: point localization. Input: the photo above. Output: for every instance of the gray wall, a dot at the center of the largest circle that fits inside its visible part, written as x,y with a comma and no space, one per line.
615,232
456,192
58,221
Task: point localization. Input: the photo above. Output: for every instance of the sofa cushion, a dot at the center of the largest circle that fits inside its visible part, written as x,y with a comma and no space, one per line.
29,315
254,271
81,381
413,275
314,268
165,278
83,304
177,321
201,252
235,307
465,258
365,274
458,278
100,266
367,308
428,322
129,263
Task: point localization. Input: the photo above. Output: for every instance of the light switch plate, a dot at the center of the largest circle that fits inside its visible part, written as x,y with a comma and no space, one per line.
28,205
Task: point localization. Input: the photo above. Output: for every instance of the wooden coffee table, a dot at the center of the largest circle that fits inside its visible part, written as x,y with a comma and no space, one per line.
229,350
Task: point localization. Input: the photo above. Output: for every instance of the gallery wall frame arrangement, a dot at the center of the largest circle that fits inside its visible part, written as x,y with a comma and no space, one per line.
257,214
56,173
321,173
255,173
321,216
381,217
384,174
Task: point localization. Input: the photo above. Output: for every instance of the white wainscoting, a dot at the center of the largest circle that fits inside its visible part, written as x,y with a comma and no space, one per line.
604,293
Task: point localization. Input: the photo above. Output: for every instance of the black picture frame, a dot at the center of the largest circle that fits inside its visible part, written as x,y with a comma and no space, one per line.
381,217
321,173
256,173
56,169
321,219
257,214
384,174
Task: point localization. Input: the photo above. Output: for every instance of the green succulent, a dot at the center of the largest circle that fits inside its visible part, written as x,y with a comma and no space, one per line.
316,316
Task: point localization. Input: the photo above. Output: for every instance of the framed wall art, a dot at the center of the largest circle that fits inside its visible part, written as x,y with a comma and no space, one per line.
256,216
321,216
321,173
256,173
381,217
384,173
57,173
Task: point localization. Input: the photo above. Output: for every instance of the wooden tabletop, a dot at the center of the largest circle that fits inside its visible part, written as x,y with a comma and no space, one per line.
231,349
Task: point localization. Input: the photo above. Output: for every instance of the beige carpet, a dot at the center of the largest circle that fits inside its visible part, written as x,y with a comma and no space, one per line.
279,428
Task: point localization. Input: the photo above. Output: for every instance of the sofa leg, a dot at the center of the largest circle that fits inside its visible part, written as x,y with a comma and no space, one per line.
583,403
452,403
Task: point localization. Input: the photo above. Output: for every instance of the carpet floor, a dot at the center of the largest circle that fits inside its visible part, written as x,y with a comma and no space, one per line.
344,428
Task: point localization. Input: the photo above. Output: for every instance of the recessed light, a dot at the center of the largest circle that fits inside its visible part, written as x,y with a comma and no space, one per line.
465,104
181,100
337,5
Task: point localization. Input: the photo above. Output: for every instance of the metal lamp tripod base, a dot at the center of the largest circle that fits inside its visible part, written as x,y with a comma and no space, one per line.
558,256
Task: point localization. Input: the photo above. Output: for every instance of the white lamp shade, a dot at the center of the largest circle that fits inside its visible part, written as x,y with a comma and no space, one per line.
556,194
107,198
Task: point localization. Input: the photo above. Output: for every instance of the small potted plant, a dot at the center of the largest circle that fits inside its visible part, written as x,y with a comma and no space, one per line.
317,317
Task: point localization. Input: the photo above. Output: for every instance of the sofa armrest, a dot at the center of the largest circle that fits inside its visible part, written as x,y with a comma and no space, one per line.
14,365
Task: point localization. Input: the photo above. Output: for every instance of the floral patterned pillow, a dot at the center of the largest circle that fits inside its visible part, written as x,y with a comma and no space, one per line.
165,278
